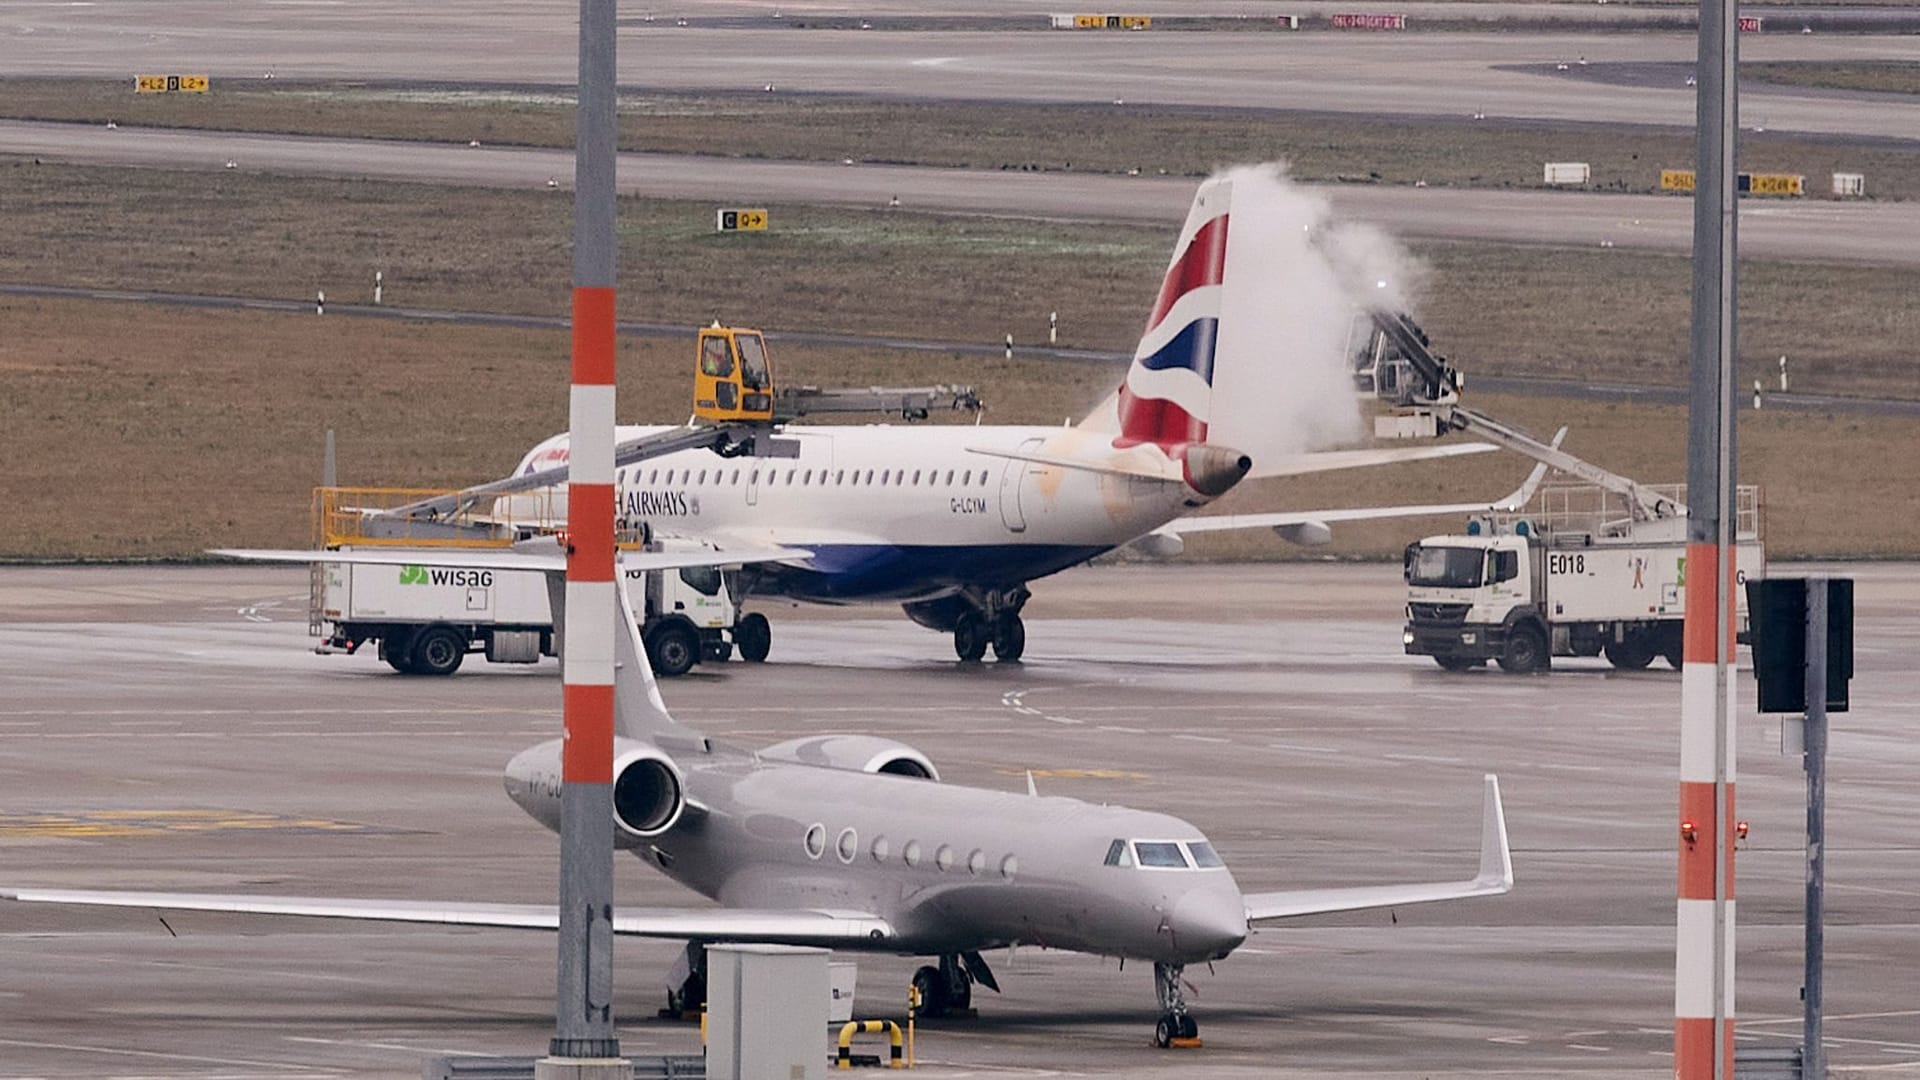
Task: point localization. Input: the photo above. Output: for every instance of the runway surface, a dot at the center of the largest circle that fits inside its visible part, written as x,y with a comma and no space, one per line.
1885,233
1415,74
165,728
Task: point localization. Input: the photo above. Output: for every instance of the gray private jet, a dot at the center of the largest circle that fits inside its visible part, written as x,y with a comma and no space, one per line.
852,842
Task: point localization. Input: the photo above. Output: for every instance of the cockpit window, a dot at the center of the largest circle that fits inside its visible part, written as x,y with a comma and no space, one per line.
1160,853
1118,854
1204,856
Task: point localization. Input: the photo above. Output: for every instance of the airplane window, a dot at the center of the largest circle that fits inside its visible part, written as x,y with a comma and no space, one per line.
916,476
943,858
653,477
816,840
869,476
1204,856
1160,853
977,862
1009,866
790,473
839,477
755,478
736,476
983,478
949,477
848,845
856,478
807,478
703,476
1118,854
911,853
881,849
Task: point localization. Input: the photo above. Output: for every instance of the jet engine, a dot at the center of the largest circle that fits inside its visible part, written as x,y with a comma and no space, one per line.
861,753
648,793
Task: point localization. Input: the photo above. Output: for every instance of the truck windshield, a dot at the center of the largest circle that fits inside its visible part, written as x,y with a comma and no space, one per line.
1445,567
753,361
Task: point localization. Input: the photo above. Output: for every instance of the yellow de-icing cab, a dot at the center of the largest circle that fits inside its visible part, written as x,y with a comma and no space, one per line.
733,377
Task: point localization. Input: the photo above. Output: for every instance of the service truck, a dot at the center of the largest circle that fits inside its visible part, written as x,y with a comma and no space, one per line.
425,619
1575,573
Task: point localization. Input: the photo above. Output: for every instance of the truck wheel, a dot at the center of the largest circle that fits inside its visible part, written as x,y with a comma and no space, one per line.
672,648
1459,663
753,636
1630,655
438,651
396,649
1526,651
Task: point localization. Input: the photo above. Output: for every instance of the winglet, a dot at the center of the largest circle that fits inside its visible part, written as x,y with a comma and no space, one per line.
1496,859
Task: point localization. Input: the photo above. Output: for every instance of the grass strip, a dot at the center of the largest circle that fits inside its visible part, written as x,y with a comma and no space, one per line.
1441,151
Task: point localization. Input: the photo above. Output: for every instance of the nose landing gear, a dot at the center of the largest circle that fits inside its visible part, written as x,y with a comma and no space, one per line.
1177,1028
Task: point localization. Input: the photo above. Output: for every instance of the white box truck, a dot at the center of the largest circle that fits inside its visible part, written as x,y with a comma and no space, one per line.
425,619
1574,574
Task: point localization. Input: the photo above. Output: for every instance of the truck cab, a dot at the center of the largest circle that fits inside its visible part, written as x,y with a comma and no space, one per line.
733,375
1468,596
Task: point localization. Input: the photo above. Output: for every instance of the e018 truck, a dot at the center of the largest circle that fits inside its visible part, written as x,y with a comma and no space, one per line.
1572,575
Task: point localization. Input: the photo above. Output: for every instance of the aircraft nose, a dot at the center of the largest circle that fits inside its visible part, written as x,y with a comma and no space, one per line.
1210,922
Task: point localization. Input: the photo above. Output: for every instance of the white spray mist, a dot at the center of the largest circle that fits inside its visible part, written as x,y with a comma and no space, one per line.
1293,280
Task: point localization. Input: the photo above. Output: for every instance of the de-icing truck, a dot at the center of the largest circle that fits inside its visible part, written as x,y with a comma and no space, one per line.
1574,574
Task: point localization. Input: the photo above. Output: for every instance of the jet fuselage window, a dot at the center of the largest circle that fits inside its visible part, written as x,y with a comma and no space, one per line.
848,845
1118,854
653,476
881,849
816,840
1009,866
911,853
1204,856
943,858
839,477
1159,853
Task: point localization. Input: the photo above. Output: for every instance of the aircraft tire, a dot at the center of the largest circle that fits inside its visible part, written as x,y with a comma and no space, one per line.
933,991
753,636
970,638
1009,638
1163,1032
673,647
438,650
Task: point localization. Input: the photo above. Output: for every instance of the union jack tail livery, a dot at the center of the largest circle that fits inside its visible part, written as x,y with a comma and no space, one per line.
1167,397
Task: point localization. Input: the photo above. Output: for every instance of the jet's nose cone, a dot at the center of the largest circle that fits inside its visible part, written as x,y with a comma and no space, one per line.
1210,923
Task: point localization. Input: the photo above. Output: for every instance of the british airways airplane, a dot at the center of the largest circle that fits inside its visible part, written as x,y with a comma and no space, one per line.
952,522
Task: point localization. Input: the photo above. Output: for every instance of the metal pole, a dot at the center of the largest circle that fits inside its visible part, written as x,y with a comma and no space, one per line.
583,1007
1703,960
1813,1057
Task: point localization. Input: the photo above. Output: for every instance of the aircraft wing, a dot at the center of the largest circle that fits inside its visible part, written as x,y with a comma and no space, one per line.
516,558
1512,501
826,928
1495,877
1329,460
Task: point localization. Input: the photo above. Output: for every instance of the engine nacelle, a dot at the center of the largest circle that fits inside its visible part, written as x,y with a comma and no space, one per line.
649,794
860,753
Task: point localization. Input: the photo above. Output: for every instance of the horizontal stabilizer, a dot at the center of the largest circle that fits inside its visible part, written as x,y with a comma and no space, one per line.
824,928
1495,877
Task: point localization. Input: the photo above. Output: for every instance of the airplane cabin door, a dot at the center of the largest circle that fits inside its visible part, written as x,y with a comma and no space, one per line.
1011,481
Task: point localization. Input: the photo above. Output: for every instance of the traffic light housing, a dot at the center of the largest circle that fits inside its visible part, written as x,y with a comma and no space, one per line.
1777,612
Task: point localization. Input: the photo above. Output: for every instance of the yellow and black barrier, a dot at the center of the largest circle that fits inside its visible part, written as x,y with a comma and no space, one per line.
169,84
1747,183
871,1027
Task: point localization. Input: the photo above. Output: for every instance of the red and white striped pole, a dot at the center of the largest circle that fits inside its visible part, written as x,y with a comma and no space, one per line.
1703,967
584,1043
1703,943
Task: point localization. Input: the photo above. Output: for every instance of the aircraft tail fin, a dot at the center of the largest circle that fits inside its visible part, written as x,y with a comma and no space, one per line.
1167,395
639,712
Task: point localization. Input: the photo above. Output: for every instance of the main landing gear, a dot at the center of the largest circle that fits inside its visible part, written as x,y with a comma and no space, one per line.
979,619
1176,1027
947,990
